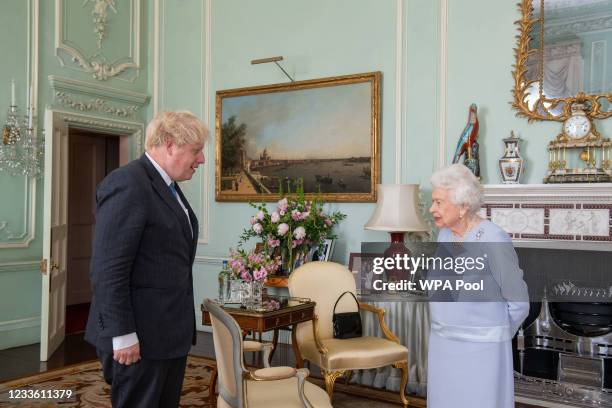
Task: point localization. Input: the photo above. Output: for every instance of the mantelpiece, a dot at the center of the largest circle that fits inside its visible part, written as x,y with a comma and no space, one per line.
573,216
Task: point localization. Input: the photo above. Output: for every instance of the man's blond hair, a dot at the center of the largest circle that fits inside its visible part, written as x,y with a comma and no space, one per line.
180,127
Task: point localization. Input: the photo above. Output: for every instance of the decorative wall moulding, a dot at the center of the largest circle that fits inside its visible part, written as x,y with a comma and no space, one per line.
98,54
84,121
95,105
87,97
9,237
20,266
210,260
572,216
97,90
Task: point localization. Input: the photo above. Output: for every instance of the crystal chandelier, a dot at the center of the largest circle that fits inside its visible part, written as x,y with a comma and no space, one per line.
21,151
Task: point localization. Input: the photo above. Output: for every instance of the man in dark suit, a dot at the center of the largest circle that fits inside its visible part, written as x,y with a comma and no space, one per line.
142,316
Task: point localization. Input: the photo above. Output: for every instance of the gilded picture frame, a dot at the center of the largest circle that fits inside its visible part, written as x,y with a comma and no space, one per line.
323,132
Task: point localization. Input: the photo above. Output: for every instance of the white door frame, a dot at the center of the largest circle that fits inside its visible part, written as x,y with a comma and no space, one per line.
58,124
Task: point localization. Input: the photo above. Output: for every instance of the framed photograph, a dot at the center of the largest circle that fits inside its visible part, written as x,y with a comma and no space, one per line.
323,131
361,266
325,254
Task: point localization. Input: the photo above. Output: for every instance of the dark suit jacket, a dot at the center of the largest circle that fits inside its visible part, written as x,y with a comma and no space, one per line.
141,267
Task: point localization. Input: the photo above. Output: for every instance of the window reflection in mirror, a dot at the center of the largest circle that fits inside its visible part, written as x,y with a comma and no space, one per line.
576,51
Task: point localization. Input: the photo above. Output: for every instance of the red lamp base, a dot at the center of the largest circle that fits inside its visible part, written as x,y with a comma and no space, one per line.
397,247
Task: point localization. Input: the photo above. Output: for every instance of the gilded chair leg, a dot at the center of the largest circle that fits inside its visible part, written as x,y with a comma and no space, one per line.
330,379
403,365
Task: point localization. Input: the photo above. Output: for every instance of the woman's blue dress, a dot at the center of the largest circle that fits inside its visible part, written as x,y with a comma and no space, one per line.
470,356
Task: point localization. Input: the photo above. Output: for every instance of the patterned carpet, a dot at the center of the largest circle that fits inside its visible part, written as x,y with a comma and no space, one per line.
91,390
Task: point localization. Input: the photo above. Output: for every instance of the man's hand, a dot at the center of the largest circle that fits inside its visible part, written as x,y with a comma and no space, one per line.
128,355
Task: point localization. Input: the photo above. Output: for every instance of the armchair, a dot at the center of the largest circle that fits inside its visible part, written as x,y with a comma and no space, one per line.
266,387
323,283
249,346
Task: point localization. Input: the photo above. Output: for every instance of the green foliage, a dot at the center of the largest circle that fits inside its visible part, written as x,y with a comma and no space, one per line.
295,224
232,143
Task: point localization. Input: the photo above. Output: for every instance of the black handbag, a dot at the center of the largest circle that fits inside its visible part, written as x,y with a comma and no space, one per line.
347,325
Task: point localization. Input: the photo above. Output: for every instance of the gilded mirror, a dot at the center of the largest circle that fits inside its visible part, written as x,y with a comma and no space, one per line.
563,56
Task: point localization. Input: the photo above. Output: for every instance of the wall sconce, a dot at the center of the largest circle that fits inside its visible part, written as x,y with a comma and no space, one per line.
21,151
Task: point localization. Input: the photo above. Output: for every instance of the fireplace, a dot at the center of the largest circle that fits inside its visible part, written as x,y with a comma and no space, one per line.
563,353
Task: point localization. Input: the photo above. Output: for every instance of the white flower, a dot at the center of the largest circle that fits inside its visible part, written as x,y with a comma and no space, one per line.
260,215
282,229
275,217
257,228
283,204
299,233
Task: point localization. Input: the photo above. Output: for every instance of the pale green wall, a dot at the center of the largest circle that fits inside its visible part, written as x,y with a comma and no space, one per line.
20,279
327,38
317,38
479,70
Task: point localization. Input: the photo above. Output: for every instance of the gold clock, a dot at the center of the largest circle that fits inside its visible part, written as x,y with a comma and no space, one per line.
579,154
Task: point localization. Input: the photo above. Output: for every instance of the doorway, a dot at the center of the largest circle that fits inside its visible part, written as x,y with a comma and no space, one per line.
91,156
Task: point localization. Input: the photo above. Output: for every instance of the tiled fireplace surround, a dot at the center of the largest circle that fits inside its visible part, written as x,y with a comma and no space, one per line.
561,216
564,217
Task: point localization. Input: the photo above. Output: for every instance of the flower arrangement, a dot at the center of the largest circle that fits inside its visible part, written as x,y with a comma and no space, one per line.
252,266
294,226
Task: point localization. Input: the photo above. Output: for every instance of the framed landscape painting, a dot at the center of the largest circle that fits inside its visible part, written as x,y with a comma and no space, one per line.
322,132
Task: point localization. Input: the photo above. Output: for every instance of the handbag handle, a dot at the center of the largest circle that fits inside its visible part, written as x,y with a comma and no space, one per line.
340,297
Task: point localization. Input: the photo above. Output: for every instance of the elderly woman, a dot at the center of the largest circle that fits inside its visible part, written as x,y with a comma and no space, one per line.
470,356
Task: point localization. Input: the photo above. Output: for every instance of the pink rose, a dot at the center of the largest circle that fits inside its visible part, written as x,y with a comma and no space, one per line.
304,215
257,228
283,204
299,233
275,217
295,215
253,220
260,215
282,229
328,222
273,243
246,276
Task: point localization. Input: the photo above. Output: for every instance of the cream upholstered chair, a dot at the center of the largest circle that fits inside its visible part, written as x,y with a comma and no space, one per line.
267,387
323,283
249,346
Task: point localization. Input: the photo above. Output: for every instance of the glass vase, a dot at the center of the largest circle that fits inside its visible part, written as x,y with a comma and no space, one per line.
286,261
291,259
254,295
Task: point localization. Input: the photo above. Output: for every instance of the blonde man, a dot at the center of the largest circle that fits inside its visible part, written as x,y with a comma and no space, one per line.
142,319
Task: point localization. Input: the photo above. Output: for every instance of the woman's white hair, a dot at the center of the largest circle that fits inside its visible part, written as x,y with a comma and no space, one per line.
462,186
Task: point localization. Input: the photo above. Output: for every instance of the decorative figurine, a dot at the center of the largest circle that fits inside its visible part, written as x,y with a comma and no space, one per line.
467,143
511,163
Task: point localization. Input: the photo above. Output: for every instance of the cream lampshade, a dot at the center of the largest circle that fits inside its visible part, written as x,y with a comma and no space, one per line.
397,212
397,209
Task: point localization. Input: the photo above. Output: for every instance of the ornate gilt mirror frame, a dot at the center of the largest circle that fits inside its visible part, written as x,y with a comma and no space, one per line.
543,107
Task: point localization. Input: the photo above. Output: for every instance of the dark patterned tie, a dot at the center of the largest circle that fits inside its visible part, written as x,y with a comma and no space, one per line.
173,190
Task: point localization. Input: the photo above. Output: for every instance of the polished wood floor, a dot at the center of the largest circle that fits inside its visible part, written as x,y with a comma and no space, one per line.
22,361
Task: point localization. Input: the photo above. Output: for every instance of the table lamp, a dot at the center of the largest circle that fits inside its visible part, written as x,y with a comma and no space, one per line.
397,212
